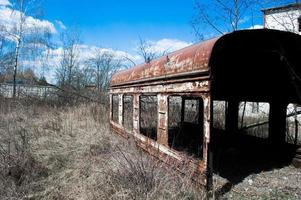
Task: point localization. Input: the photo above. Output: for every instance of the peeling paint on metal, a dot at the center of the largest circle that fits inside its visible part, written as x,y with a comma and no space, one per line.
189,59
184,73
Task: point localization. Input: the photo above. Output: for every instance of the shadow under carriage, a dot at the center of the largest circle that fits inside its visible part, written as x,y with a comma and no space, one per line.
238,155
247,67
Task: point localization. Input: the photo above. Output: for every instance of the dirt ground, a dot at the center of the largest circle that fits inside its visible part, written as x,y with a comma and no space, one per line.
283,183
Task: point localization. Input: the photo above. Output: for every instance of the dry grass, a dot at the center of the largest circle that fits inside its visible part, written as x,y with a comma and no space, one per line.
70,153
49,152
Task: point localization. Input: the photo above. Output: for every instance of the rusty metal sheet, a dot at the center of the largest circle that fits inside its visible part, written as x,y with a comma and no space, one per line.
183,72
162,132
160,148
192,59
174,159
185,87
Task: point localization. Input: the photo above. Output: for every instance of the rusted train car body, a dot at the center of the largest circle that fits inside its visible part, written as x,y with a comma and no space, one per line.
257,65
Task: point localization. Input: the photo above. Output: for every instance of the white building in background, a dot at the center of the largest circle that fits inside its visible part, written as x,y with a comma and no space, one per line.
23,91
285,18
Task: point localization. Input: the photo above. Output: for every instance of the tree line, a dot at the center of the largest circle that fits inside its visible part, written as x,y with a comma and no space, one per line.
24,41
25,44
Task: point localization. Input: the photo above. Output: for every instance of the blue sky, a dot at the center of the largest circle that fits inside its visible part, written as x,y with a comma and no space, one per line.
118,24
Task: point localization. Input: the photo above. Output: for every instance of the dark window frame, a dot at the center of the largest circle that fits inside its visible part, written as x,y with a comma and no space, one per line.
130,118
250,118
151,132
115,115
187,140
219,108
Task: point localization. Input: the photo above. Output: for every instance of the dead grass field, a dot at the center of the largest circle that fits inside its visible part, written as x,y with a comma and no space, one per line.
49,152
69,153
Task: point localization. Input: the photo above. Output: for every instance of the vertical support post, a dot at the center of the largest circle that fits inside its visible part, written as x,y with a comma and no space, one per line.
277,122
207,153
111,106
296,124
162,129
136,113
120,113
182,110
232,116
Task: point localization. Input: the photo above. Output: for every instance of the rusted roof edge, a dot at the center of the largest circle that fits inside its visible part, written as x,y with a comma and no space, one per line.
166,77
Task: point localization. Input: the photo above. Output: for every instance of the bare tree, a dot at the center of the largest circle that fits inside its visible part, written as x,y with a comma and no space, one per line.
224,16
130,61
66,73
44,58
2,56
220,15
104,64
23,34
111,64
147,51
95,63
144,49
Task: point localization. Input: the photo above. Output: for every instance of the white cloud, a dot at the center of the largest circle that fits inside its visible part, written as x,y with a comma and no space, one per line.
5,3
167,45
40,24
85,52
244,20
257,26
10,19
60,24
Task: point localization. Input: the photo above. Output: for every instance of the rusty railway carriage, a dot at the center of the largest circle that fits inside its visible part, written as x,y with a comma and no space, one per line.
167,104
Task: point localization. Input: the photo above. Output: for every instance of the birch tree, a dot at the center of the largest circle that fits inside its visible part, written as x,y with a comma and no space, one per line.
25,33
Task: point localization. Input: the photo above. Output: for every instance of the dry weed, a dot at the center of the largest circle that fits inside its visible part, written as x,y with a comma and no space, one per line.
70,153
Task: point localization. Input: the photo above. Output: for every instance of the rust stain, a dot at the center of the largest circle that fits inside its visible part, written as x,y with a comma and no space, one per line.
160,148
176,160
190,59
185,73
